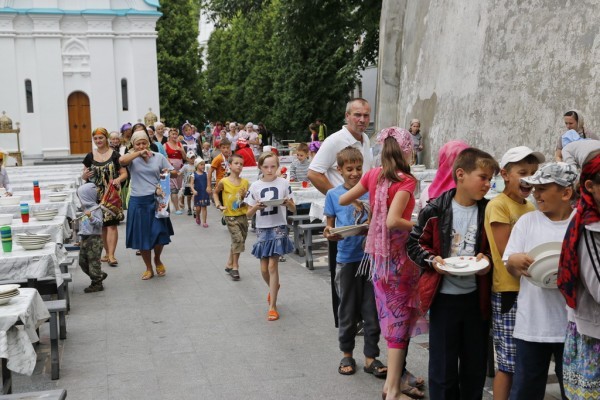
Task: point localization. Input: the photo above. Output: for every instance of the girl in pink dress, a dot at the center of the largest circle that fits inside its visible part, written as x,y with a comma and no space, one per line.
391,196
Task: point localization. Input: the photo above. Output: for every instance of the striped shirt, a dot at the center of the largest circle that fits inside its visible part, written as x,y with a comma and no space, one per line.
299,170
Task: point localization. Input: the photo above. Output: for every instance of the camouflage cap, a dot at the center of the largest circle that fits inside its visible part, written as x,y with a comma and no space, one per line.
561,173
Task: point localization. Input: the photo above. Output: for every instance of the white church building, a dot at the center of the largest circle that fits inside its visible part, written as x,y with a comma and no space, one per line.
68,66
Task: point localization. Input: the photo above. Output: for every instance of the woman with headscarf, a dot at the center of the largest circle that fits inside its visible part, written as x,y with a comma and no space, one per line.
126,135
4,181
102,168
573,121
443,180
144,231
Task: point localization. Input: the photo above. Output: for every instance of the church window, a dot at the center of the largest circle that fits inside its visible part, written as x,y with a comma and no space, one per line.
29,95
124,97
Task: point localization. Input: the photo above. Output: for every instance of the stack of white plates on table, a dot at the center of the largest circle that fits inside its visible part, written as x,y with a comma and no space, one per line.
57,187
417,168
32,241
544,269
45,215
57,197
7,292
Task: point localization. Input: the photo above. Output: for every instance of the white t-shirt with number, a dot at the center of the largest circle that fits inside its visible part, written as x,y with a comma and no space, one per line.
541,314
260,191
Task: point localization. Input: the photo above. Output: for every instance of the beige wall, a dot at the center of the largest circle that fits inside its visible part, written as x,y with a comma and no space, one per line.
494,73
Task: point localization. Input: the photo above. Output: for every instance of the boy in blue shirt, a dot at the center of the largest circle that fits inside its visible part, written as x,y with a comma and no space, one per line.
357,300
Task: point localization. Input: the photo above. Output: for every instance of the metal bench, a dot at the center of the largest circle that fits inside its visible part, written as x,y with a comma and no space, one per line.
60,394
58,328
307,232
294,221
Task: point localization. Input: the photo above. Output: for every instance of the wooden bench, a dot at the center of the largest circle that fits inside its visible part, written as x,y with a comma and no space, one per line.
58,329
307,232
45,395
294,221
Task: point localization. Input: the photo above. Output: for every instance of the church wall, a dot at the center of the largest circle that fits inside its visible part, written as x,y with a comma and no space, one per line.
496,74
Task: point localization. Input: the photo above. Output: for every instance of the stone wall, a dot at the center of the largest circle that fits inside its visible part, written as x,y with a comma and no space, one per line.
496,74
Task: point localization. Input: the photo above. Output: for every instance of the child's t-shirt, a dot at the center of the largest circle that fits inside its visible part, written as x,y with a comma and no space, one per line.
219,165
188,171
464,236
233,197
369,181
348,249
541,314
504,210
299,170
260,191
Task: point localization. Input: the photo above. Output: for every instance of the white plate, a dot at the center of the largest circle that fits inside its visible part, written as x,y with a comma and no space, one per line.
5,301
33,236
44,217
45,212
9,295
30,246
273,202
350,230
8,288
10,201
56,186
545,247
22,242
463,265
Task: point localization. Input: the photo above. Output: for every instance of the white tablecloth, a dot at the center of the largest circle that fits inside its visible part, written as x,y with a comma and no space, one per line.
66,208
42,263
317,210
307,196
58,227
27,195
15,341
18,185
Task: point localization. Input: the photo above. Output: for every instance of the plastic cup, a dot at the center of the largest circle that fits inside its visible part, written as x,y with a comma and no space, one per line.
304,184
6,236
24,212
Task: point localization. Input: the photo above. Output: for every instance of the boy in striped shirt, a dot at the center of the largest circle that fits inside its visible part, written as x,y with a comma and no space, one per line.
299,168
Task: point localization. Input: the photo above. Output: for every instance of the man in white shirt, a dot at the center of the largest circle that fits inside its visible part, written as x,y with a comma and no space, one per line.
323,172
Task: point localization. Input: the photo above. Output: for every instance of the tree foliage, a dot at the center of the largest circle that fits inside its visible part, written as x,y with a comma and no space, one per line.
287,62
180,78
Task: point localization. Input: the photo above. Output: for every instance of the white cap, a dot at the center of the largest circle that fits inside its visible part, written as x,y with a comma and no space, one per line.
518,153
191,154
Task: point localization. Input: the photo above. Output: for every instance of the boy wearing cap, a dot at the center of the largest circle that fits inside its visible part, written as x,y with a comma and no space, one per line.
188,172
541,319
501,214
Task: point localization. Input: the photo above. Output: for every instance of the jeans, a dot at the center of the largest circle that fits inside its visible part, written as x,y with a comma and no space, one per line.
531,369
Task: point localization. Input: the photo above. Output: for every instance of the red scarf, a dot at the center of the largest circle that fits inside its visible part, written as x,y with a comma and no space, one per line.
587,213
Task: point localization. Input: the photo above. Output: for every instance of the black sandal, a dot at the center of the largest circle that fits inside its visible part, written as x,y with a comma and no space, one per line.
376,369
235,275
345,363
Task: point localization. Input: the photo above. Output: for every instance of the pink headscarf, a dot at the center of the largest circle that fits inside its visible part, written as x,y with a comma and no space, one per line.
377,247
443,178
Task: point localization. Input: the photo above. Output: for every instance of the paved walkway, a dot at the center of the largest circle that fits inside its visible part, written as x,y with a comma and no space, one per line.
196,334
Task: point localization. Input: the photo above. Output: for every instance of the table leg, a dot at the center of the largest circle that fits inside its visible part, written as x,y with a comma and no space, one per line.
6,378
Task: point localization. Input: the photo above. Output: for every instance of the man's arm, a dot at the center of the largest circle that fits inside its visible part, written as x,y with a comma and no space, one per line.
319,181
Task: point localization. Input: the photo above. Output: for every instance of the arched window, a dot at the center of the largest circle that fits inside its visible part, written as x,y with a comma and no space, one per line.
29,95
124,97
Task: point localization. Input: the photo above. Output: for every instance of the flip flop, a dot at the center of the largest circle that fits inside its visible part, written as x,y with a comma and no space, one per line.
413,392
375,368
104,259
113,262
347,362
272,315
147,275
161,270
413,381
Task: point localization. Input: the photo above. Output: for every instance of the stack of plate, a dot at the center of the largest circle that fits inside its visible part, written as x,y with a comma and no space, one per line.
57,197
7,292
45,215
32,242
417,168
544,270
57,187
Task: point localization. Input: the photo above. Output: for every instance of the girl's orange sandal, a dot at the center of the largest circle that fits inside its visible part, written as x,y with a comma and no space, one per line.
147,275
161,270
273,315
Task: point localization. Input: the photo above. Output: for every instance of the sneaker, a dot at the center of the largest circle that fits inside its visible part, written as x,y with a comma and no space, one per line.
189,212
223,221
235,274
93,288
178,212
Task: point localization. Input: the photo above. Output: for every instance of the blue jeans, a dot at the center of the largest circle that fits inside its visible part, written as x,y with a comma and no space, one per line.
531,369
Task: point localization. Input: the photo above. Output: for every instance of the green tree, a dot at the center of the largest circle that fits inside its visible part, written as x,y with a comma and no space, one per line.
180,81
288,62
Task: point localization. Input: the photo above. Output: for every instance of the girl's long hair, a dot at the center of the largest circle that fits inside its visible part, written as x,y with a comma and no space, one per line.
393,161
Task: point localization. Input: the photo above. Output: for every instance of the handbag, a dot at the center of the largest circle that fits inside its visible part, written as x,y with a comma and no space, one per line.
111,204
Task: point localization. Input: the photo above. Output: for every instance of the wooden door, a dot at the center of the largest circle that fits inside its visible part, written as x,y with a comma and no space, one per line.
80,130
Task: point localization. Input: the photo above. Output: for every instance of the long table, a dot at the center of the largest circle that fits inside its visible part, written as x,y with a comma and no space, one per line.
66,208
43,263
58,227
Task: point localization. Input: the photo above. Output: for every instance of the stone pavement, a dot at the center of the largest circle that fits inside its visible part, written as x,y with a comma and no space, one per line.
196,334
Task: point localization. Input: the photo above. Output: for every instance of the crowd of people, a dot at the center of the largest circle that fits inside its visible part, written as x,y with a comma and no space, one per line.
395,281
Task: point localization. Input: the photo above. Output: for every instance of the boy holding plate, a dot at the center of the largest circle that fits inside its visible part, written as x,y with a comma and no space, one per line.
451,225
541,320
